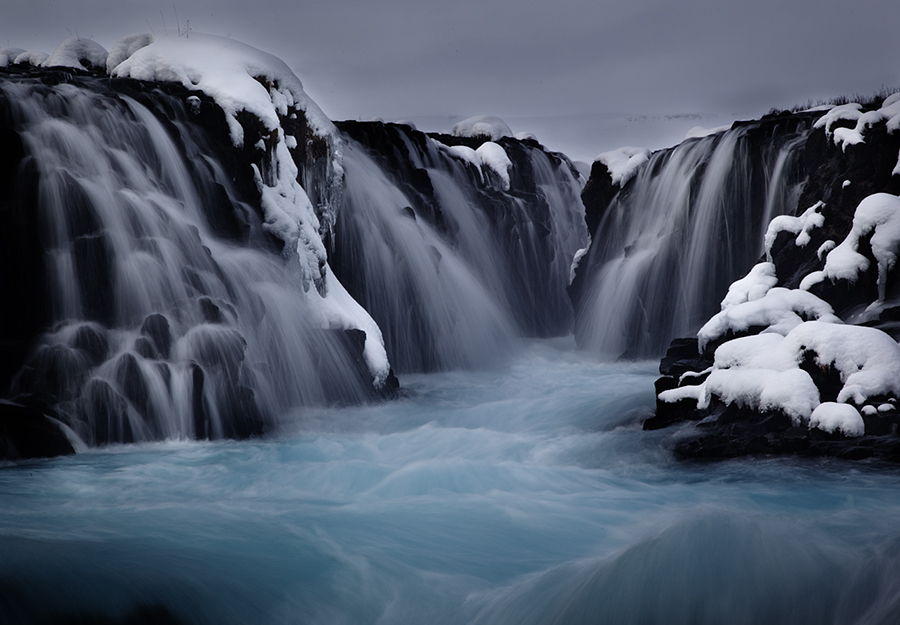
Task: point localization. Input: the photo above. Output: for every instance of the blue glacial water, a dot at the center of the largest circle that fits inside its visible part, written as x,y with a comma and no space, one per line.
522,495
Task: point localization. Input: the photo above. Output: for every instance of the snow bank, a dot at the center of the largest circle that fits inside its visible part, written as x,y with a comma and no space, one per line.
489,155
780,310
623,163
482,126
801,226
78,53
846,112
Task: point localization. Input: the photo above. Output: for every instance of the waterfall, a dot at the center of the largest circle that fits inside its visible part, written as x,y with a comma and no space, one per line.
155,300
688,224
161,306
453,267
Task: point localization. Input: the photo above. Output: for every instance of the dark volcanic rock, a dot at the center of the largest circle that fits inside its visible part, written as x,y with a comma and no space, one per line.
27,432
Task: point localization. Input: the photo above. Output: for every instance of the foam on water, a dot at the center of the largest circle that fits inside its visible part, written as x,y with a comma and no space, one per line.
525,495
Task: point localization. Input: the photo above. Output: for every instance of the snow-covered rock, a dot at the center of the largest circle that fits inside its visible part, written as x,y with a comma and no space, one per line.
488,126
8,56
79,53
623,163
242,79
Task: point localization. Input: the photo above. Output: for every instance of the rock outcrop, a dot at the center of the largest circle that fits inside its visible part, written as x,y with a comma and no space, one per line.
803,356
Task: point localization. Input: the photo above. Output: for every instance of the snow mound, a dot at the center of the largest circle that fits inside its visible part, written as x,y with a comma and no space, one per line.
760,351
792,392
758,281
495,158
482,126
35,58
831,417
8,56
78,53
762,373
780,310
623,163
867,359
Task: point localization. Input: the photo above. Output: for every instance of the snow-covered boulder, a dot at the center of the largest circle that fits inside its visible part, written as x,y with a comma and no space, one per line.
78,53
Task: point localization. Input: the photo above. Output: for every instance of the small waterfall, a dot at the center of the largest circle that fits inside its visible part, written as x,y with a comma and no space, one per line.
166,310
689,223
452,267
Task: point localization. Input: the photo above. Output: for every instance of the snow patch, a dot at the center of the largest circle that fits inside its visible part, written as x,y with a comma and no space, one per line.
758,281
867,359
780,310
467,154
698,132
801,226
877,215
576,260
8,56
494,157
226,70
792,392
482,126
623,163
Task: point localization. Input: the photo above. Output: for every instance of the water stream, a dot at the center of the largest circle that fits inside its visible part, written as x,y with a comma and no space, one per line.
527,494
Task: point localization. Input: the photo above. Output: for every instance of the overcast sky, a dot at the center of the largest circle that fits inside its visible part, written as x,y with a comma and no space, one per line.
539,64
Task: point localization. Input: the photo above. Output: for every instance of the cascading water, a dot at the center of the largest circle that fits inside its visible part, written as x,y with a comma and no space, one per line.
169,311
689,223
145,298
450,265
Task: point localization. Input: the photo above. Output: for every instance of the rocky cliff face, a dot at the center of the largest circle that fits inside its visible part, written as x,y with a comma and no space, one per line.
456,246
669,236
134,259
